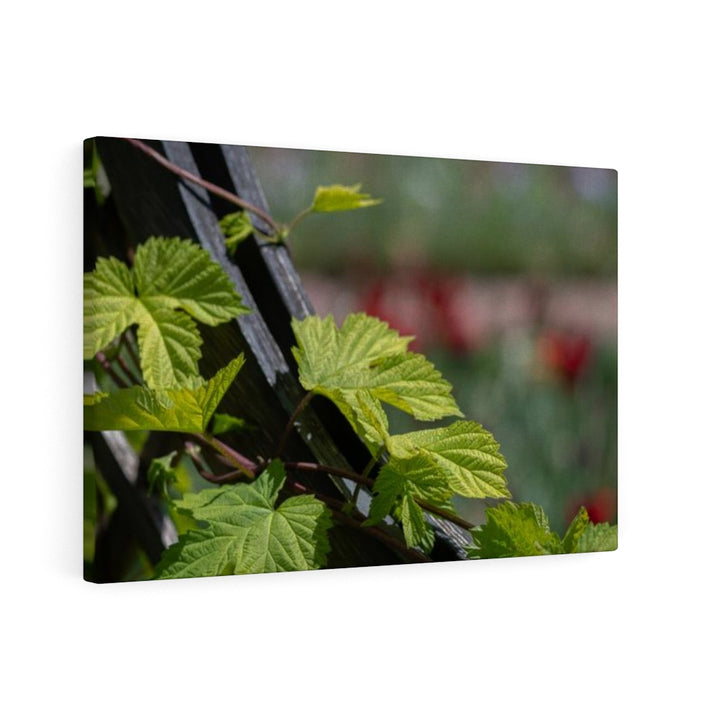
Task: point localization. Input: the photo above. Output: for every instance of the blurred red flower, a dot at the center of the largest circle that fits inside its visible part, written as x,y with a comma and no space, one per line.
600,504
566,354
422,303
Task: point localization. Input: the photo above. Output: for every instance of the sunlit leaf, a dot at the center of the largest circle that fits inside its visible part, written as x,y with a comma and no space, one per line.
245,533
514,530
172,282
338,198
598,538
464,456
236,227
364,363
187,409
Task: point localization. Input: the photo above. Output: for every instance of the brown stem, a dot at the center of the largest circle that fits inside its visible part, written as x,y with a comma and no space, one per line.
291,423
367,482
110,370
236,459
341,472
452,517
337,509
126,340
128,372
210,187
225,479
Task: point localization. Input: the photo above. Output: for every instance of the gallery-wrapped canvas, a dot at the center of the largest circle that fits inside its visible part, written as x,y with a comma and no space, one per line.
299,360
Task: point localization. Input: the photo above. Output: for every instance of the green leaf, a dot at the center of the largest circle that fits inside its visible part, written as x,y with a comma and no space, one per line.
236,227
109,304
326,356
228,423
338,198
415,529
246,534
598,538
170,277
161,473
577,527
399,484
514,531
463,457
365,362
174,273
410,477
169,347
187,409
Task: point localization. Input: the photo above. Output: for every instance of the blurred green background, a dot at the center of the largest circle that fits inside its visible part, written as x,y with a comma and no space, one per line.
507,276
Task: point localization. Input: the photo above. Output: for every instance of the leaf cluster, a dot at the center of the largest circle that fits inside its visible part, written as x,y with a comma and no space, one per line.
523,529
362,365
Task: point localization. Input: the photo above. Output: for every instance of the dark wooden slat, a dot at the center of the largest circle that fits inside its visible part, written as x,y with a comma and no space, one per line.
118,465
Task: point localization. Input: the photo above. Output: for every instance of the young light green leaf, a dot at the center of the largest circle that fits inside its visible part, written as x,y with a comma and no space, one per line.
415,529
518,530
326,355
109,304
410,383
246,534
399,484
161,473
236,227
363,363
187,409
174,273
338,198
223,423
577,527
407,477
598,538
168,276
463,457
514,531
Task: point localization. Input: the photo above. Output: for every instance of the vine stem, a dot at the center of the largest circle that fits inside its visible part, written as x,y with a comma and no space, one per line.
126,369
127,340
341,472
110,370
367,482
210,187
226,479
235,459
336,508
291,422
300,216
452,517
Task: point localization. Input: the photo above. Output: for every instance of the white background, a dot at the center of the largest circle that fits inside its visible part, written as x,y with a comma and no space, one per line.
630,86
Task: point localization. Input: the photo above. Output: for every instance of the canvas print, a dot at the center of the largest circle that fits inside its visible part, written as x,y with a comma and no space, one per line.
301,359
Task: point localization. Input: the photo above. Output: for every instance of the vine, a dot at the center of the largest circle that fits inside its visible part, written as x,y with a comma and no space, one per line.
151,311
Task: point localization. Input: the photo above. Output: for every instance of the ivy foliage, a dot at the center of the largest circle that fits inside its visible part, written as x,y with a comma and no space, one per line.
246,533
172,283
